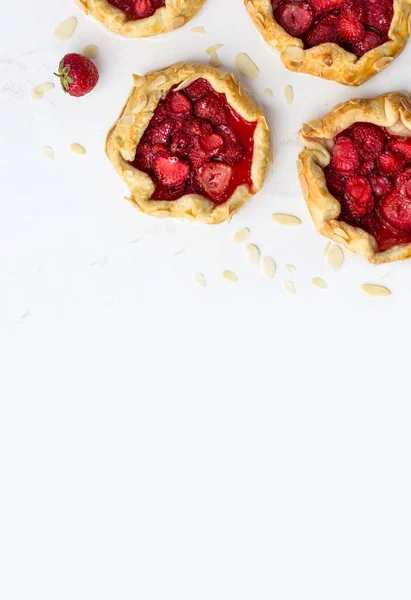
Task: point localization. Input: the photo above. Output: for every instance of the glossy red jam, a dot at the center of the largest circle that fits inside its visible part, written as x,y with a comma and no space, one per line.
370,175
138,9
196,144
356,25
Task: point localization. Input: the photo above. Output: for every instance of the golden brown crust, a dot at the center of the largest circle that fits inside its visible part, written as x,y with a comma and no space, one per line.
392,111
124,136
330,61
172,16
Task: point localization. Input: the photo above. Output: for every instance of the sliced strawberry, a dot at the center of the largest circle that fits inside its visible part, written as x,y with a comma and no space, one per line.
160,134
358,196
403,182
197,126
370,41
210,108
180,144
379,14
353,9
196,155
144,156
335,183
160,114
380,184
349,30
401,146
295,17
215,179
345,158
198,89
211,144
143,9
369,138
395,209
390,162
325,31
367,166
170,170
180,105
322,7
233,150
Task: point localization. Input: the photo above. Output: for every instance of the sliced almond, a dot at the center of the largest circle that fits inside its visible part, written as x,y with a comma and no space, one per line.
335,258
47,151
253,254
230,276
383,62
268,92
41,89
319,283
78,149
175,23
201,280
212,49
290,268
157,82
126,120
141,104
66,29
375,290
90,51
198,29
327,248
288,94
268,267
286,220
289,287
215,61
241,235
294,54
246,66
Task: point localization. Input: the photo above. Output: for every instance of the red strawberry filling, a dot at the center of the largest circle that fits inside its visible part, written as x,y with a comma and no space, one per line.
356,25
138,9
196,144
370,175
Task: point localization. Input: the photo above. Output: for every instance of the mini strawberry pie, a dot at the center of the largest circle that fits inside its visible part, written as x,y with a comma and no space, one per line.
141,18
348,41
355,174
190,143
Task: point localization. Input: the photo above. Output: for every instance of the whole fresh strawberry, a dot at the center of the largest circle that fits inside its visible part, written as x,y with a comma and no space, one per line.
78,74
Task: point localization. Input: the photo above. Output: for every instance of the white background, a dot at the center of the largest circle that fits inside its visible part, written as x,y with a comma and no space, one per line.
163,441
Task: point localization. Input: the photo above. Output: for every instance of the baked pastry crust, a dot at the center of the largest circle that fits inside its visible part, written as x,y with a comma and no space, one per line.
392,111
124,136
330,61
172,16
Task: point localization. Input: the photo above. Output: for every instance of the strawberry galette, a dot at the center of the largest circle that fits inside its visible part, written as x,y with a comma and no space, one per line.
355,174
141,18
190,143
348,41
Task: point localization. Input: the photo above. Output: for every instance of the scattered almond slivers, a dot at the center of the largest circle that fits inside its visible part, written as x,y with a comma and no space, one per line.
319,283
268,92
126,120
289,287
215,61
47,151
286,220
288,94
246,66
198,29
241,235
253,254
90,51
39,91
290,268
66,29
201,280
78,149
327,248
268,267
335,258
213,49
375,290
230,276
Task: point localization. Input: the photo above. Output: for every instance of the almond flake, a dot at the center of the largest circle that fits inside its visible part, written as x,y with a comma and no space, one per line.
375,290
215,61
288,94
383,62
268,267
294,54
126,120
289,287
268,92
327,248
78,149
286,220
253,254
90,51
246,66
335,258
40,90
47,151
241,235
157,82
230,276
141,104
66,29
212,49
290,268
319,283
185,83
175,23
198,29
201,280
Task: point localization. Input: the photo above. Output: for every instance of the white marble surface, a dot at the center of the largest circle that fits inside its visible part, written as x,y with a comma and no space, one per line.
160,440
